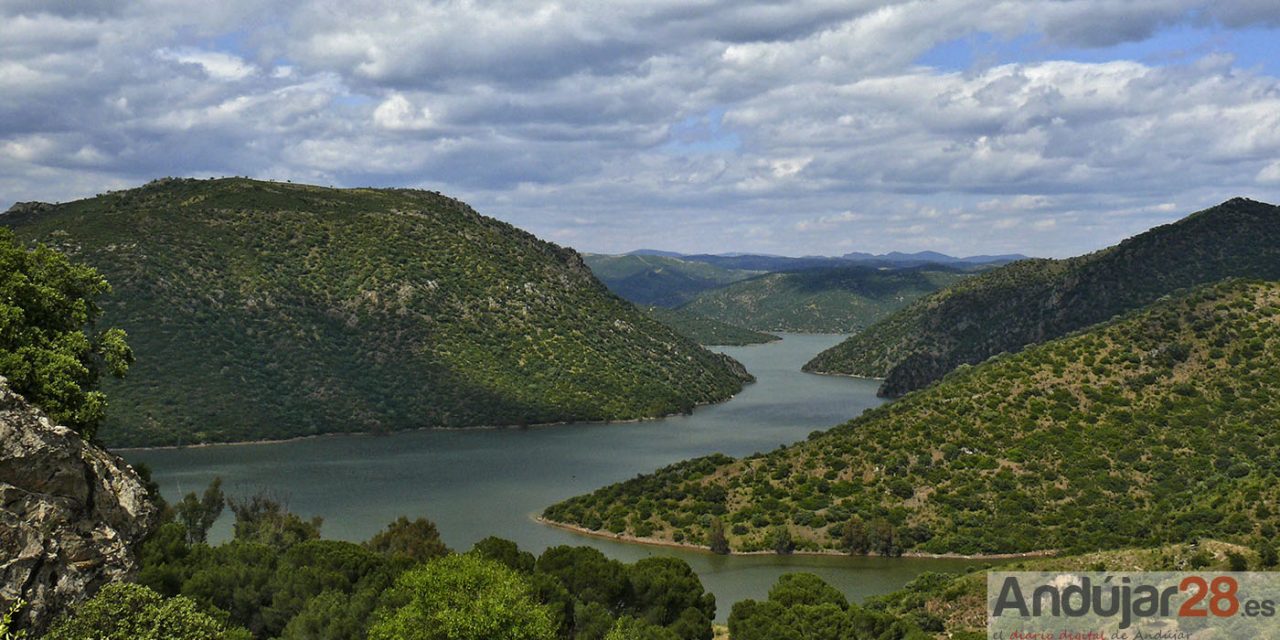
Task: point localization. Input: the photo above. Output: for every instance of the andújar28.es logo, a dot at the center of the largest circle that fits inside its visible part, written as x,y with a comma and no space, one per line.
1133,606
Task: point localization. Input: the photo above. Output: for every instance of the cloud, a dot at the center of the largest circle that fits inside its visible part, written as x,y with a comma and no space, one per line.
1270,174
217,65
747,125
398,114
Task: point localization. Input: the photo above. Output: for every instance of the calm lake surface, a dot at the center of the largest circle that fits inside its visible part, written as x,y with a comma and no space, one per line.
478,483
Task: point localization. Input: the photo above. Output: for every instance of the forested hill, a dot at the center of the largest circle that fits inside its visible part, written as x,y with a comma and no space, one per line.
1031,301
655,280
1158,427
707,331
268,310
822,300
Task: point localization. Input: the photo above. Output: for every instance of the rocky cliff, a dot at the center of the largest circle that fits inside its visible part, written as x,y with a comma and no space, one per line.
71,514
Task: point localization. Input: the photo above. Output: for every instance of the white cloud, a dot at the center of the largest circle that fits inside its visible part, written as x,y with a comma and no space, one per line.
218,65
1270,174
398,114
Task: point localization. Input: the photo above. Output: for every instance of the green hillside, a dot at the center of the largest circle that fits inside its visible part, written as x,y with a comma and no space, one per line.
1031,301
649,280
267,310
707,331
1158,427
825,300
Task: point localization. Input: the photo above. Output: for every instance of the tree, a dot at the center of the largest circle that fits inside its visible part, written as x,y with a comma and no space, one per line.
46,304
506,552
1267,556
1237,562
588,575
853,537
199,514
780,540
418,540
315,567
263,520
332,615
461,597
719,544
794,589
882,538
627,628
124,611
753,620
666,592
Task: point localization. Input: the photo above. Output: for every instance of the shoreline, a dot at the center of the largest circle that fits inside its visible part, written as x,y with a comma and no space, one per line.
540,425
843,375
479,427
655,542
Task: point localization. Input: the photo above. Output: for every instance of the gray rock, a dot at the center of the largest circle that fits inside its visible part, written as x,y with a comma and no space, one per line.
71,514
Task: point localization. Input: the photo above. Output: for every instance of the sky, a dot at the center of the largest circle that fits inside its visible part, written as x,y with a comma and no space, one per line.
1043,127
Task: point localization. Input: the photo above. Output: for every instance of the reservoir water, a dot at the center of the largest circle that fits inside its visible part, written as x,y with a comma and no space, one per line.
476,483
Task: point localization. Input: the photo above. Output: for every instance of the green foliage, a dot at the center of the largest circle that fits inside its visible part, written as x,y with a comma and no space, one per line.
133,612
316,588
506,552
48,310
417,541
7,624
197,515
823,300
266,310
794,589
955,606
1102,426
666,592
461,597
1267,556
705,330
803,607
658,280
1031,301
717,541
627,628
261,519
780,540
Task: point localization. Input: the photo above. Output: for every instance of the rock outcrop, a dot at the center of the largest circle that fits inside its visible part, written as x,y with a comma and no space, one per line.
71,514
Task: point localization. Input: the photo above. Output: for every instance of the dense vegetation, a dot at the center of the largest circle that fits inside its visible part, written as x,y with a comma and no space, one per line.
1032,301
266,310
954,606
50,349
826,300
1158,427
650,280
278,579
803,607
707,331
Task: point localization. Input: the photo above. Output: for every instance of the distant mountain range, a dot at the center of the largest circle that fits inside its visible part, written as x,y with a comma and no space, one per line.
926,257
264,310
768,262
1031,301
665,281
810,294
842,299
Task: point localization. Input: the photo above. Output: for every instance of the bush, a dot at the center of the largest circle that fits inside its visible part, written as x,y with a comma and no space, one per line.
461,597
133,612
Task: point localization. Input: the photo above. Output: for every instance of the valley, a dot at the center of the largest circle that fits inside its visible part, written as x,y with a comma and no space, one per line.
476,483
